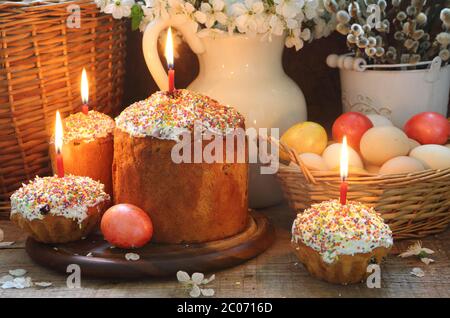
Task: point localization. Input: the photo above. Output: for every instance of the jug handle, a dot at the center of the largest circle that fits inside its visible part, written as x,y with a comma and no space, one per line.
150,45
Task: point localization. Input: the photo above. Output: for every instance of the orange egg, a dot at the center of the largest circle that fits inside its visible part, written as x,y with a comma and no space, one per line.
126,226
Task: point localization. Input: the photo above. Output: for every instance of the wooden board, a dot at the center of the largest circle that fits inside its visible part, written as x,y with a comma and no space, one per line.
155,259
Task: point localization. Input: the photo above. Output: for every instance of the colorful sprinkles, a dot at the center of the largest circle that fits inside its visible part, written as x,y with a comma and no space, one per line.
70,197
87,128
333,229
167,115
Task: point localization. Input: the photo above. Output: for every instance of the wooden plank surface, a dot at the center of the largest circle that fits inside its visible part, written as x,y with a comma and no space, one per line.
276,273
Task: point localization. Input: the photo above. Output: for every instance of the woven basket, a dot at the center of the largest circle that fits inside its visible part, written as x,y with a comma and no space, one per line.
41,59
414,205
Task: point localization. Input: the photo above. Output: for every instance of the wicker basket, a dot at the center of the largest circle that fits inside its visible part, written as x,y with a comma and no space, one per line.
414,205
41,59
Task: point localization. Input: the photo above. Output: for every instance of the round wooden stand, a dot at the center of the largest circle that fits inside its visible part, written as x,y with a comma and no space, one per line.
155,259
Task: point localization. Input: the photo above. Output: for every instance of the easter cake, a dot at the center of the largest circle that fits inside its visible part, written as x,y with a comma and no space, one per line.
58,210
187,202
336,243
88,146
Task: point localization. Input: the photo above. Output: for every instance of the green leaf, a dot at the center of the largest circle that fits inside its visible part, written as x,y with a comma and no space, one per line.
136,16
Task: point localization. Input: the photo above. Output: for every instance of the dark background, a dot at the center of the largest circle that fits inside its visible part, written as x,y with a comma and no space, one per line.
307,68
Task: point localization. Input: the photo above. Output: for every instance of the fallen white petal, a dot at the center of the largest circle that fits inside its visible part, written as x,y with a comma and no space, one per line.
183,277
197,278
22,282
208,292
427,250
89,254
417,272
17,272
208,280
427,260
8,285
132,257
43,284
6,244
6,278
407,254
195,292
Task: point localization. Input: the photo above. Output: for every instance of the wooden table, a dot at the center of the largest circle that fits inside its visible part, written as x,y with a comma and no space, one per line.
276,273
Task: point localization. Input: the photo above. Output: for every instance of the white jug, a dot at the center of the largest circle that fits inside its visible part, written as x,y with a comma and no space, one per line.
244,72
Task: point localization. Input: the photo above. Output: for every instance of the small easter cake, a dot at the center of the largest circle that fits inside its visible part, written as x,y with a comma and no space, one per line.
88,146
59,210
337,242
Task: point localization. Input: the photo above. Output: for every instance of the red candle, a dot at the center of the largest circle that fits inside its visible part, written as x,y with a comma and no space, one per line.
344,190
59,165
344,171
169,58
59,136
85,109
84,92
171,80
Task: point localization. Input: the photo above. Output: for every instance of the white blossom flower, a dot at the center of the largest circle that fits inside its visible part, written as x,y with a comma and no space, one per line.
275,26
289,8
417,272
417,250
119,8
249,16
181,7
101,4
294,40
214,17
311,9
158,8
213,12
195,282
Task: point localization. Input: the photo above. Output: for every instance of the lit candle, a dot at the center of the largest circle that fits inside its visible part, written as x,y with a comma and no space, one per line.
84,92
169,58
344,171
59,135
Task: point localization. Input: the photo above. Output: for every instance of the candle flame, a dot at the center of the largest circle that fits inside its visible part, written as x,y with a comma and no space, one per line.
169,49
59,133
344,159
84,87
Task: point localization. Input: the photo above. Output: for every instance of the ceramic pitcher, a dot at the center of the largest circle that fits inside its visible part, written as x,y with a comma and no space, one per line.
244,72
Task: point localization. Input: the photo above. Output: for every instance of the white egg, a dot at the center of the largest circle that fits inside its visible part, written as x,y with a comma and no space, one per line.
402,164
372,169
413,144
379,144
432,156
313,161
332,157
379,121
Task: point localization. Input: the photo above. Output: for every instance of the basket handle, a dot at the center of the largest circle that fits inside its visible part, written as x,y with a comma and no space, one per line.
295,158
